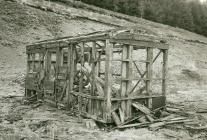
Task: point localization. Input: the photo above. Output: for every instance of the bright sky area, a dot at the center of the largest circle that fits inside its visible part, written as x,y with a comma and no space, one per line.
202,0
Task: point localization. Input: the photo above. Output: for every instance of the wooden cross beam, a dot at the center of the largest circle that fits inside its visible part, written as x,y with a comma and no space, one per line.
144,73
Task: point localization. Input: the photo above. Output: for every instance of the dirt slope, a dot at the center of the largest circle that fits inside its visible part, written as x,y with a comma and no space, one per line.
21,25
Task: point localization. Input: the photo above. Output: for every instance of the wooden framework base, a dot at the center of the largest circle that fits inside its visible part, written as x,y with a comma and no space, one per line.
78,72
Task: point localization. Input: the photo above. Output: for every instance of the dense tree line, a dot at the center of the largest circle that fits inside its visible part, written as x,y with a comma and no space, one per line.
186,14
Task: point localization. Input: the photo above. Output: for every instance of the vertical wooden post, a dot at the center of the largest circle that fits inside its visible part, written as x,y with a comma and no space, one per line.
61,56
33,62
68,79
98,64
129,76
124,76
91,90
48,63
81,76
108,79
99,104
28,69
45,61
93,68
97,73
82,64
39,62
94,72
71,57
149,74
28,63
58,59
164,72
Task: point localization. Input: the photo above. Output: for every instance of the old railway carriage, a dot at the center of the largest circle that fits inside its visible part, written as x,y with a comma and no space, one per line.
99,73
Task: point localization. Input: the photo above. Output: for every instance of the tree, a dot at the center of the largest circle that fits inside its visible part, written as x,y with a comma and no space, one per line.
178,13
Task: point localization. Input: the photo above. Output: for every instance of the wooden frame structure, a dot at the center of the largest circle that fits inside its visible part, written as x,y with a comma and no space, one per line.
77,73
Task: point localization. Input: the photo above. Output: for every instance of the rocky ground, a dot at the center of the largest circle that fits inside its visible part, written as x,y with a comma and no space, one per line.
31,122
21,25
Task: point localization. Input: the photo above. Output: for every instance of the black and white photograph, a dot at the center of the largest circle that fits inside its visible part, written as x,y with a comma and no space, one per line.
103,69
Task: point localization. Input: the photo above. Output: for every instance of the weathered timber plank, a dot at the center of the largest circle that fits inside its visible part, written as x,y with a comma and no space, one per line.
116,118
164,71
108,78
149,118
140,44
142,108
114,99
149,74
58,63
130,79
93,83
129,83
71,74
145,124
48,63
124,83
68,79
81,76
121,113
94,117
69,40
134,36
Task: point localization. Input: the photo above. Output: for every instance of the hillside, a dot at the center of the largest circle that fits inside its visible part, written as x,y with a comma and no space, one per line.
21,25
27,21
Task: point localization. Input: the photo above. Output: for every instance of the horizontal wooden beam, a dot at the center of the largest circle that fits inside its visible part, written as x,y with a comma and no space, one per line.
136,97
125,60
94,117
70,40
139,78
132,79
135,36
142,61
140,44
35,60
84,95
35,50
115,99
